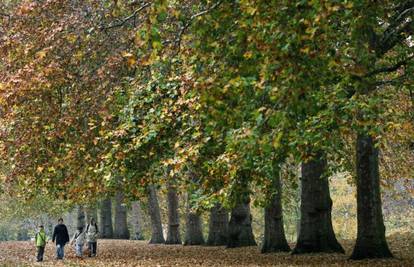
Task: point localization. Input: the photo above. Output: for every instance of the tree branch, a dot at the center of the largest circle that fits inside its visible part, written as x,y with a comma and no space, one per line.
191,19
122,22
390,68
400,23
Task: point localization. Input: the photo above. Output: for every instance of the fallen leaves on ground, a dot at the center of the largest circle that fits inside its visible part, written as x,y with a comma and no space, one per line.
139,253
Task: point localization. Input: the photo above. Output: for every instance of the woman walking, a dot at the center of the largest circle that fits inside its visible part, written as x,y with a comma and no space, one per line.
91,237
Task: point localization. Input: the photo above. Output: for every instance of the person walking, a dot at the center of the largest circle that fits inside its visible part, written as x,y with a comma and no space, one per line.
79,240
40,241
60,237
91,237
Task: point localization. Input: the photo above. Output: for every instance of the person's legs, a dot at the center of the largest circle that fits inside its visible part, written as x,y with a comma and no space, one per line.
79,250
63,251
90,249
60,252
57,251
40,252
94,245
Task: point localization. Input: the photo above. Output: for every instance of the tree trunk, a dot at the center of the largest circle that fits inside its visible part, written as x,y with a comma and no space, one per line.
80,217
274,233
157,236
121,225
316,231
173,235
105,226
91,212
240,226
193,232
137,220
371,242
218,226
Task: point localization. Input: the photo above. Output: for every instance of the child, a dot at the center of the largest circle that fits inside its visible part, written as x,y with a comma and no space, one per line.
40,241
79,240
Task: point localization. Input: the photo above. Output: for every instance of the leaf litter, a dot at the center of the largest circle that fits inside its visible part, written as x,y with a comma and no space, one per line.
127,253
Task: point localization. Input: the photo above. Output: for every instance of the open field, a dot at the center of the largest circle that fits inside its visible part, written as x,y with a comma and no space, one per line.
139,253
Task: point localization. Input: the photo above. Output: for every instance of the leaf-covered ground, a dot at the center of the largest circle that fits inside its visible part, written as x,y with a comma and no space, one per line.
138,253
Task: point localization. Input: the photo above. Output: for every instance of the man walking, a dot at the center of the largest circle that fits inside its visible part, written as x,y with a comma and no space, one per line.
60,237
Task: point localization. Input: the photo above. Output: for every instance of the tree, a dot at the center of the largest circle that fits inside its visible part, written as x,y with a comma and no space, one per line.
218,226
274,233
80,216
137,220
105,221
173,233
316,232
120,219
193,229
157,236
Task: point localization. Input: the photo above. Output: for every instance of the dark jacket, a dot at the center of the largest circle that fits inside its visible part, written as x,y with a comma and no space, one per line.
60,234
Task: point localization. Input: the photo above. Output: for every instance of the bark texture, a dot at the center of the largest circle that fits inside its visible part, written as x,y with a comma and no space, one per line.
316,232
120,223
80,217
173,234
218,226
274,233
371,242
105,221
137,220
240,226
157,236
193,231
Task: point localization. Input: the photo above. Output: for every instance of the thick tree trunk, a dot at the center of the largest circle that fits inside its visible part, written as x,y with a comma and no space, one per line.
105,226
218,226
371,242
173,235
240,226
80,217
316,231
120,223
137,220
157,236
193,231
274,233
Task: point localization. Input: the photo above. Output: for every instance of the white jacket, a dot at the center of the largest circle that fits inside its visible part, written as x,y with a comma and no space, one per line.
79,238
91,233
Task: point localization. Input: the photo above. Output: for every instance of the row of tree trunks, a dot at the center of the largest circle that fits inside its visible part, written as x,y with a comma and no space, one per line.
315,233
